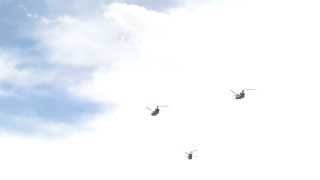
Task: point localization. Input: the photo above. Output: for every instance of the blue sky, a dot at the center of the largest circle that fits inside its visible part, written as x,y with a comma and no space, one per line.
15,25
21,46
31,56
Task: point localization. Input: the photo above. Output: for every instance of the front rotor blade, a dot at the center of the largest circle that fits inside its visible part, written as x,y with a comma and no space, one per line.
193,151
233,91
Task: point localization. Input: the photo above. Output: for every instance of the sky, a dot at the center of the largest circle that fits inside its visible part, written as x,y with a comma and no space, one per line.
76,77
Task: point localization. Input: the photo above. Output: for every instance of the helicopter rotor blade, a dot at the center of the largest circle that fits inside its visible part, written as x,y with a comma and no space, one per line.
233,91
149,108
249,89
162,105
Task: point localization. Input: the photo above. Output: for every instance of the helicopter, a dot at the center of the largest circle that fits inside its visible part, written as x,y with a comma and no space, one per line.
190,154
155,111
240,95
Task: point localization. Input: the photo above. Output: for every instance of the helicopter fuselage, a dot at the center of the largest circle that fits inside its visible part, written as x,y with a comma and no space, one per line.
155,112
240,95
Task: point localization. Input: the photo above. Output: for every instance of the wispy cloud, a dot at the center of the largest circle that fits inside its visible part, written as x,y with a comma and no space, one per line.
35,110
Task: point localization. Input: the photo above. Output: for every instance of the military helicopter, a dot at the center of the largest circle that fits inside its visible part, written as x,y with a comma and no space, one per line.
240,95
190,154
155,111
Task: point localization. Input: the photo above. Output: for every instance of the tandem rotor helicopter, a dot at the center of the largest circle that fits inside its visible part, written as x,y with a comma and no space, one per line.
155,111
189,154
240,95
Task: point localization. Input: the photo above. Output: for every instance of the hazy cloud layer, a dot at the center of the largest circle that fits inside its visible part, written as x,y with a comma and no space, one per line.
124,53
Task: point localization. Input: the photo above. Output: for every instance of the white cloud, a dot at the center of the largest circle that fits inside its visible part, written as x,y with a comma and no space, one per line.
9,70
188,59
83,42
